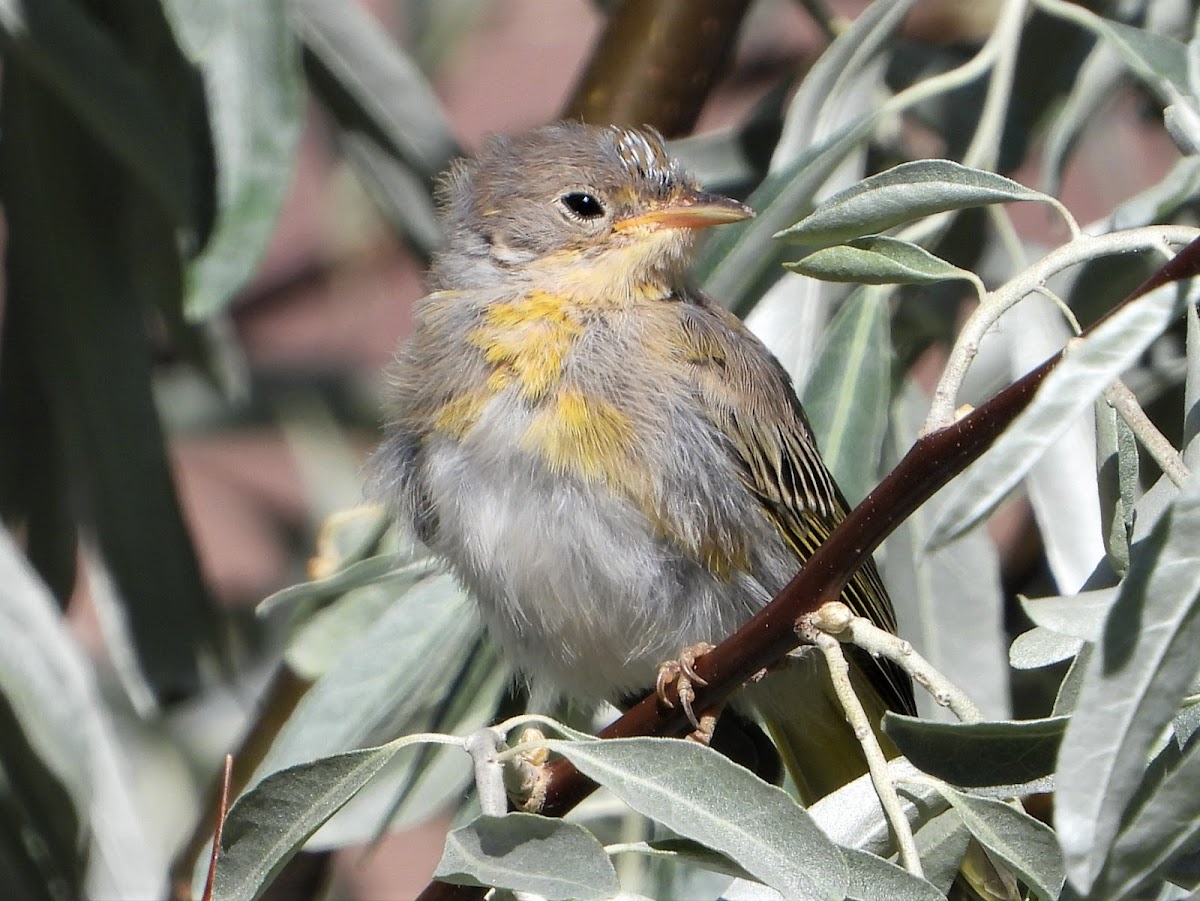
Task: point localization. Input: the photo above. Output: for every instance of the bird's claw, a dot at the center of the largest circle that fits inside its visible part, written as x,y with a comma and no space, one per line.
683,674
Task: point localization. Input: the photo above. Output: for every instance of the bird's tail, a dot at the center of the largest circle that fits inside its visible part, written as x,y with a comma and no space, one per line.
817,746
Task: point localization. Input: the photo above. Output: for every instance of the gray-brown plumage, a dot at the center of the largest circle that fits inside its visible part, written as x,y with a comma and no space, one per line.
608,459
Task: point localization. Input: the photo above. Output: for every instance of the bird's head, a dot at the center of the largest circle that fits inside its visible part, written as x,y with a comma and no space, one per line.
580,208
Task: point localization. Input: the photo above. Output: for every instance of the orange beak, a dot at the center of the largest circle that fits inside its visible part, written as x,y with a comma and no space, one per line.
694,209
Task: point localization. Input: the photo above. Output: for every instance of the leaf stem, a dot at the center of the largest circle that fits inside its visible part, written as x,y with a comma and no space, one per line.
996,303
813,628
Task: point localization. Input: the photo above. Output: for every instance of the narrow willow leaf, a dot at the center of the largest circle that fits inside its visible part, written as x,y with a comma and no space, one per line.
1092,88
1191,392
878,260
60,750
1166,825
847,395
701,795
1079,616
740,262
1131,688
825,87
941,844
901,194
949,603
356,575
1041,647
1116,481
1070,388
875,879
1157,59
974,755
527,853
395,128
1068,690
1025,845
1061,486
374,683
267,825
853,818
686,851
250,60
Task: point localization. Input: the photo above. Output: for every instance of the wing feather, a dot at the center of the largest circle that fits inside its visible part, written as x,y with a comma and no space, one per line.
748,397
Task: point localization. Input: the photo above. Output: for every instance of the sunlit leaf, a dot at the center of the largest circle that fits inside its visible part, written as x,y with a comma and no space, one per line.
250,61
847,395
1064,394
878,260
1025,845
701,795
901,194
1131,688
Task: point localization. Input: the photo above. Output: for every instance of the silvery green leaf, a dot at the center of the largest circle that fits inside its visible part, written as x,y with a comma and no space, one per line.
703,796
1132,686
1062,485
374,685
690,852
321,639
853,818
875,879
370,813
250,60
1191,391
1068,690
739,262
1091,90
1041,647
878,260
356,575
974,755
941,844
1164,826
124,110
1026,846
396,130
1160,201
1117,480
901,194
268,823
949,603
848,393
528,853
1064,394
53,711
829,85
1160,61
1078,616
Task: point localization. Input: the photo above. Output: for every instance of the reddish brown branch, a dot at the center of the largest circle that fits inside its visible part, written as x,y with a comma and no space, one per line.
931,462
656,63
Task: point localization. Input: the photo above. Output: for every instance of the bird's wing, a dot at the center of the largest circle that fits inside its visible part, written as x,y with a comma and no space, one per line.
748,398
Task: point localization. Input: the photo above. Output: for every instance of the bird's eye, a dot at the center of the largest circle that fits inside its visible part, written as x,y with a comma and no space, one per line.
582,205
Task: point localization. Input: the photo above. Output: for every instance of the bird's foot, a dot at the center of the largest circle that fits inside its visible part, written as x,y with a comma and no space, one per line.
682,673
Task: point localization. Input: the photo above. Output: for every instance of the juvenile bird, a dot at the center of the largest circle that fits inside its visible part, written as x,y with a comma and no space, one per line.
610,462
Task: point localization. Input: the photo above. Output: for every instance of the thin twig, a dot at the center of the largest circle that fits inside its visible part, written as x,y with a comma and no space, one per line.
877,764
1121,399
1082,249
836,619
